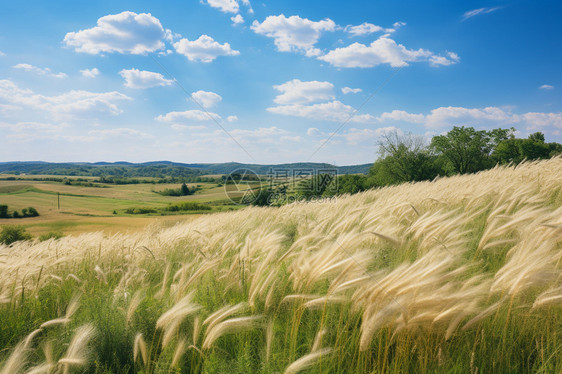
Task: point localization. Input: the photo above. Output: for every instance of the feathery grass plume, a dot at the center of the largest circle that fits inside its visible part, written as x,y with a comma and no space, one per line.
228,327
44,368
133,305
72,307
77,352
100,274
269,333
307,361
30,338
223,313
178,312
139,347
196,329
549,297
16,362
318,340
165,279
178,353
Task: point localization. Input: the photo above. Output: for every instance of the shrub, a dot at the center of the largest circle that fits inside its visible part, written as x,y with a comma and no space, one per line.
3,211
13,233
51,235
16,214
187,205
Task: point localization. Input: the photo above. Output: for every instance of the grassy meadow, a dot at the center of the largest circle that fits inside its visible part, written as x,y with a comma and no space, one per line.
457,275
90,209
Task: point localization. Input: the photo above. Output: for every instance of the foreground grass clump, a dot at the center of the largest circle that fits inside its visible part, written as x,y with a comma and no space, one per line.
461,274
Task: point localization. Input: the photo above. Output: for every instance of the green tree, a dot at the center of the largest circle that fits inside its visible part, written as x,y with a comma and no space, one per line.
469,150
13,233
184,189
3,211
403,158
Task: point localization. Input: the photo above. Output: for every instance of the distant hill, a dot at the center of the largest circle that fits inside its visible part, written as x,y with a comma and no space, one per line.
163,168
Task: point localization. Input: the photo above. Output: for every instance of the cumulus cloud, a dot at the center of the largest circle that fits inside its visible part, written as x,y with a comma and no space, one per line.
363,29
298,92
313,131
139,79
90,73
40,71
491,116
546,87
126,32
334,111
479,11
348,90
204,49
237,19
76,103
232,118
206,99
188,115
382,51
294,33
450,59
226,6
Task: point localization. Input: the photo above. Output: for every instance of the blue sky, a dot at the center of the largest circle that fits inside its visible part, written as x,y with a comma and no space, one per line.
269,82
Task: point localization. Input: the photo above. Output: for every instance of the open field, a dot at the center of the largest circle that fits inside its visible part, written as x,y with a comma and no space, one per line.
87,209
460,275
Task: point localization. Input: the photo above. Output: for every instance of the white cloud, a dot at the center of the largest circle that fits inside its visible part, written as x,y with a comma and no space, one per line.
2,54
298,92
232,118
357,136
488,117
204,49
188,115
546,87
237,19
348,90
226,6
313,131
334,111
126,32
206,99
475,12
40,71
363,29
140,79
450,59
76,103
294,33
90,73
382,51
398,24
401,115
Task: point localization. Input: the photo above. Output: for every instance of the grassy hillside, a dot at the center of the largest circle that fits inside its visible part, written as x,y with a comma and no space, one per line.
461,275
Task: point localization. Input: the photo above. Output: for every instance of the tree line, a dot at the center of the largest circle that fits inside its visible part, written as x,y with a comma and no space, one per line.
411,158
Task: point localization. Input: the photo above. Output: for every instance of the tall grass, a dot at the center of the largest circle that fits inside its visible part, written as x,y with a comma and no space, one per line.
460,274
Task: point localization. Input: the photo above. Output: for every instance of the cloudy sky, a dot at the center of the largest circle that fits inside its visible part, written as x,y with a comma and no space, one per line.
271,81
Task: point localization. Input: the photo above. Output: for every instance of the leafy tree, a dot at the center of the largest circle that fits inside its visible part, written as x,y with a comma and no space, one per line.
184,189
403,158
468,150
16,214
13,233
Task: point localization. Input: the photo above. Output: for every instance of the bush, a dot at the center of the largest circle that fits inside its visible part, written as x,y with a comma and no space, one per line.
188,205
51,235
13,233
3,211
16,214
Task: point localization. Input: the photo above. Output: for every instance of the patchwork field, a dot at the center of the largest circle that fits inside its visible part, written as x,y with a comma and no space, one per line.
458,275
87,209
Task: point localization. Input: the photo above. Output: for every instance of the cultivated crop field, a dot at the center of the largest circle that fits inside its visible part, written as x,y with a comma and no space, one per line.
90,209
461,274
